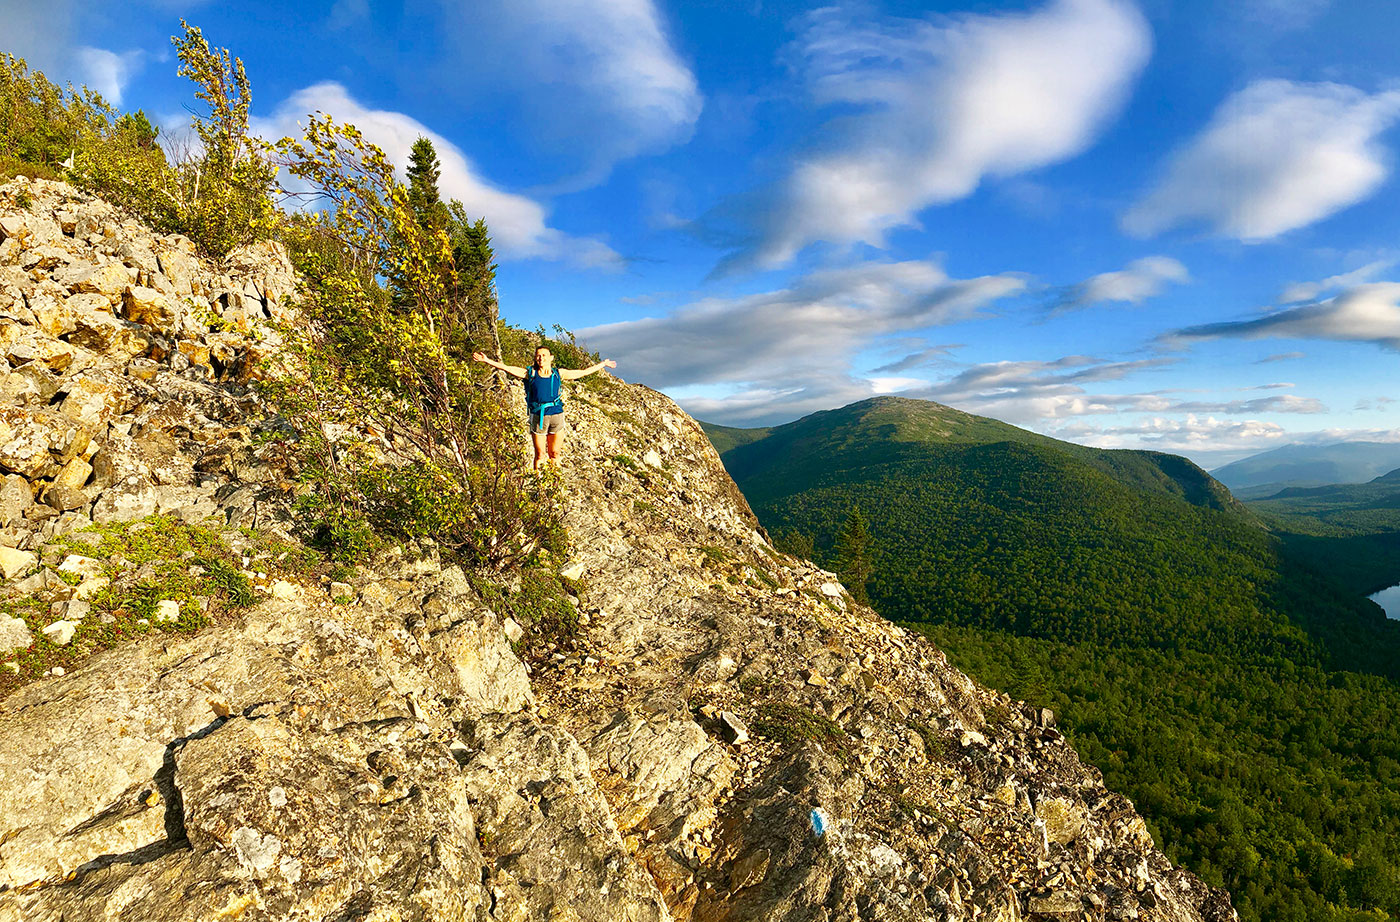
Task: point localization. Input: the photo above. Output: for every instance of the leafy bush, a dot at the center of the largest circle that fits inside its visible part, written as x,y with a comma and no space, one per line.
398,433
218,192
541,604
220,196
42,124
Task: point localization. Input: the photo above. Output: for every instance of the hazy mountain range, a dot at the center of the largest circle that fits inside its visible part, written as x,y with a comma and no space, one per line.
1266,473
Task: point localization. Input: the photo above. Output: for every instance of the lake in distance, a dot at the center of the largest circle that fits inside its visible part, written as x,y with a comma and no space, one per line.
1389,599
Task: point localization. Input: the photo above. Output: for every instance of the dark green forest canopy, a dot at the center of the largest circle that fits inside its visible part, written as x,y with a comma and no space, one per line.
977,522
1223,671
1350,531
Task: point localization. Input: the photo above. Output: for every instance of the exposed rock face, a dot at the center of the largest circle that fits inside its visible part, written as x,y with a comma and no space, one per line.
729,737
121,350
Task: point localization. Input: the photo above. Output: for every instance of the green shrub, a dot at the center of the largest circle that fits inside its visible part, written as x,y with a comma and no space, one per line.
397,433
41,124
794,725
541,605
220,197
149,561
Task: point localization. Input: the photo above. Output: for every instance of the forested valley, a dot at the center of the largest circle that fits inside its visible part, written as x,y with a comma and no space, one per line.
1219,668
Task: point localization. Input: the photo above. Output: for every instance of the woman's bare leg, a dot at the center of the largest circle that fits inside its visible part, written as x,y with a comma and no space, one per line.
539,440
555,446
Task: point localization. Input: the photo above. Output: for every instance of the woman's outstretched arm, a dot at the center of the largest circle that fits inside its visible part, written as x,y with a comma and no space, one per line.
508,369
570,374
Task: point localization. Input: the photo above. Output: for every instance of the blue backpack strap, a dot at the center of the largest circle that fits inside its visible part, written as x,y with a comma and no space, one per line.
554,405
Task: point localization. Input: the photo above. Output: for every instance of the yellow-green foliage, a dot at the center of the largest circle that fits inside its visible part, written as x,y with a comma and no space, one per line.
219,197
400,434
218,193
541,605
41,124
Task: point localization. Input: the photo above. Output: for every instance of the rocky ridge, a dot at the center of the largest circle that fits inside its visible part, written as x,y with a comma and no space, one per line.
726,737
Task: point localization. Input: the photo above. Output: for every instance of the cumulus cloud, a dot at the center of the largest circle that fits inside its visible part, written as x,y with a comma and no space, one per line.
1284,403
1309,291
598,79
1139,280
1029,392
939,105
108,72
1276,156
809,329
1190,435
519,225
1368,313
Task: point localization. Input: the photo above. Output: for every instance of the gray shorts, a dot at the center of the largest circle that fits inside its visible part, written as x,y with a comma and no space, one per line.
553,423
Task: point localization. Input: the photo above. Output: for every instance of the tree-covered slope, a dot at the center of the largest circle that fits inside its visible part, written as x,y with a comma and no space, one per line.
890,430
1350,531
726,437
1205,655
1277,781
976,522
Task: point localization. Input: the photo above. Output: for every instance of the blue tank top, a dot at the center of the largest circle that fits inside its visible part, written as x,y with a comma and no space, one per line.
542,392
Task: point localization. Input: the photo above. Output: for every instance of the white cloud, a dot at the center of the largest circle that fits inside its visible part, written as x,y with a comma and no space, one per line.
1139,280
942,105
598,79
108,72
1280,403
519,228
1211,442
1027,392
1308,291
805,332
1276,156
1368,313
1190,435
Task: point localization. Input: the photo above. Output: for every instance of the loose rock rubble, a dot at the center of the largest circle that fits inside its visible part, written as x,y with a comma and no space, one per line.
728,736
124,360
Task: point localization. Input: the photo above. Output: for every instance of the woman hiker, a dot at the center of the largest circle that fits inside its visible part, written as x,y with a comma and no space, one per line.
544,398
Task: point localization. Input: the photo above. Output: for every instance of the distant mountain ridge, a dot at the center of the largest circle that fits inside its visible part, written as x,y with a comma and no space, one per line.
890,429
1209,655
977,522
1269,472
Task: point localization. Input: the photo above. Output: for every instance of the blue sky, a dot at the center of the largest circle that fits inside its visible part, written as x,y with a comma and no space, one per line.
1168,224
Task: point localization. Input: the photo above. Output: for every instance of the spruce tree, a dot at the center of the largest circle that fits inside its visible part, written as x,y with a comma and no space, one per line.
475,260
853,555
424,170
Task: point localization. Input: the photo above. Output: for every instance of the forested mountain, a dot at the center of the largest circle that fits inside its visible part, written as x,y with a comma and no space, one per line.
726,437
1308,466
1352,531
1215,672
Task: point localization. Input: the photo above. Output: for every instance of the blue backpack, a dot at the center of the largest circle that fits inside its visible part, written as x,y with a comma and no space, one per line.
542,395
